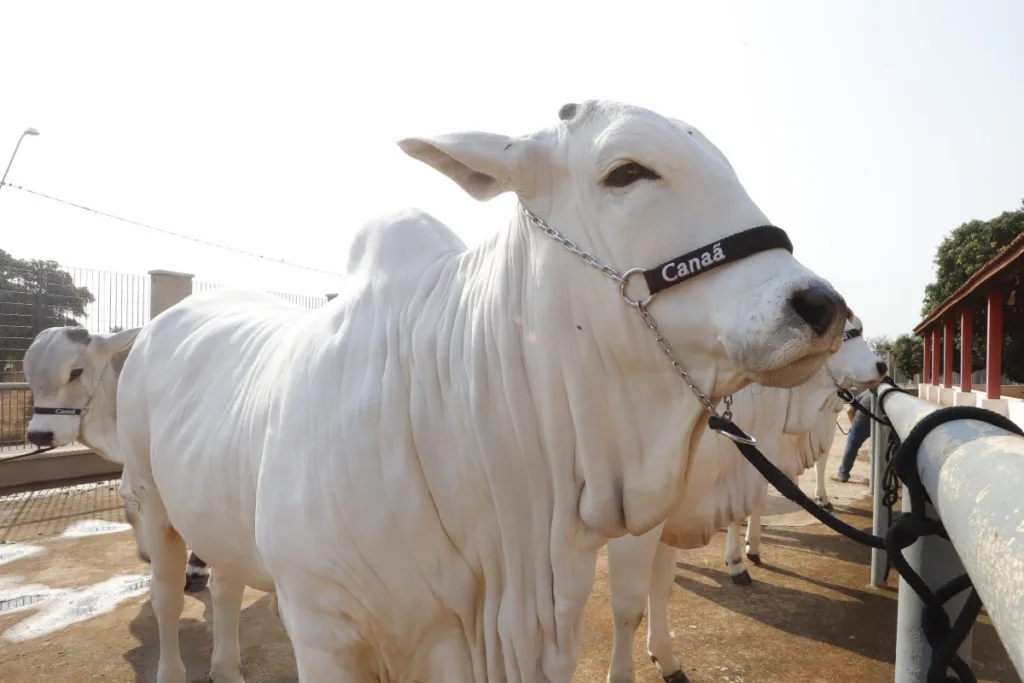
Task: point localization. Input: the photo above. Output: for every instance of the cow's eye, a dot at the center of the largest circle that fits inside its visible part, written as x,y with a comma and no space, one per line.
627,174
75,374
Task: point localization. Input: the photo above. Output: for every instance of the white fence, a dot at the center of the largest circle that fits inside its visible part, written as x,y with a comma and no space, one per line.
973,474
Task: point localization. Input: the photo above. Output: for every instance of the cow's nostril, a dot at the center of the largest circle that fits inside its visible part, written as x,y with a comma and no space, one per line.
816,306
40,438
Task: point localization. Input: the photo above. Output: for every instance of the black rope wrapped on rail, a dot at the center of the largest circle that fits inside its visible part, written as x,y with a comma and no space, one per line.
943,638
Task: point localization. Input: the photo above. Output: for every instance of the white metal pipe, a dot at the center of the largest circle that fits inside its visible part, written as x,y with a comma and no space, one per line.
974,474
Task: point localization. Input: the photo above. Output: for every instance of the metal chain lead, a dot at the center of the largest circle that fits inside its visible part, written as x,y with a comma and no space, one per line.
571,246
640,306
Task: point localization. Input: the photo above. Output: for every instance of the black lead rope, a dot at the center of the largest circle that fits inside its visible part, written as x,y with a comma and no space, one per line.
849,398
944,638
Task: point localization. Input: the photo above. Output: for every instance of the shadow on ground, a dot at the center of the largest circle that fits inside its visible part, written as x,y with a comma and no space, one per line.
266,653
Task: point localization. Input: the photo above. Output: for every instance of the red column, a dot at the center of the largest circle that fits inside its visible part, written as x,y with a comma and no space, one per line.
947,355
994,346
966,342
926,368
935,356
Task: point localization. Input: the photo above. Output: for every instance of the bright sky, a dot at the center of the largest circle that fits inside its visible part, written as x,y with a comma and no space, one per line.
867,130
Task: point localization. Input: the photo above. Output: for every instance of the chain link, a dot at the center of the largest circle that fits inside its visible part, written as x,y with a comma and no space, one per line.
640,306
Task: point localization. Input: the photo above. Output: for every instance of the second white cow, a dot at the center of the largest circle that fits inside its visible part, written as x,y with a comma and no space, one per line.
721,490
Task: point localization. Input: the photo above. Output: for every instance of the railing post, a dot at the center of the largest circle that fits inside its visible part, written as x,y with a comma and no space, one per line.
994,347
166,289
936,562
966,342
879,513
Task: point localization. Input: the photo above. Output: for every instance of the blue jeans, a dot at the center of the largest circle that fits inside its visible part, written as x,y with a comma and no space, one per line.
860,430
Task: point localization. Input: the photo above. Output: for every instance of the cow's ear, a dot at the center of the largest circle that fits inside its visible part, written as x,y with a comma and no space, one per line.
110,347
483,164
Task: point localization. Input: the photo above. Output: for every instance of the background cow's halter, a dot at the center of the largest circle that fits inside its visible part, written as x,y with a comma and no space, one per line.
676,271
70,412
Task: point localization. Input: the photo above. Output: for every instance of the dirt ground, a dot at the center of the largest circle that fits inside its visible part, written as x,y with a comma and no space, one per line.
74,604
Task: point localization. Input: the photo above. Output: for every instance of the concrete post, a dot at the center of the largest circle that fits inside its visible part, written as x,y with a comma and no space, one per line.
873,443
166,289
879,513
936,562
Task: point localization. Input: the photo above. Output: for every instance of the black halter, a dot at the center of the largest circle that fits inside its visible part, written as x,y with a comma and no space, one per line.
726,250
57,411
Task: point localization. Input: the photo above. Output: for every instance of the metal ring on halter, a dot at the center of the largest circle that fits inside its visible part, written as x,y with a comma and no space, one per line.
635,303
746,438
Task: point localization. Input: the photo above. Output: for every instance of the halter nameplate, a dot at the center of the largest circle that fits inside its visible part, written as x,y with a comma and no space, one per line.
727,250
57,411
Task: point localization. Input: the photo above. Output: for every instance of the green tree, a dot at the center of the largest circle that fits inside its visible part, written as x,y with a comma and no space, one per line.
879,344
34,295
967,249
906,357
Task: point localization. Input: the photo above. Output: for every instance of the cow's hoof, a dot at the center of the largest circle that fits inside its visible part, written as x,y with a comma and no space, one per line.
195,583
742,579
755,558
677,677
827,507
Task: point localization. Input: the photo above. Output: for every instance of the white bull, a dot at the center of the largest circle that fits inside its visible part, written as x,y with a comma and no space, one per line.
723,489
69,366
425,468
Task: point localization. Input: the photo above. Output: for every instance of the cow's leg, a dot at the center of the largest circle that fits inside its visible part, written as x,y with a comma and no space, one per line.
734,556
659,639
820,494
197,574
226,664
323,654
167,553
754,533
629,578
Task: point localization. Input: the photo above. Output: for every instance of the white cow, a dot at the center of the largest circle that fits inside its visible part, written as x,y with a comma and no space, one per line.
722,489
68,366
425,468
798,453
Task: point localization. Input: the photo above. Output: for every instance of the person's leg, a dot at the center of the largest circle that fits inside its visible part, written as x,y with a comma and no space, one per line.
860,430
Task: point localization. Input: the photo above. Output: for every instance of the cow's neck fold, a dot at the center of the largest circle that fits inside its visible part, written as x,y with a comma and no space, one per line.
600,446
99,423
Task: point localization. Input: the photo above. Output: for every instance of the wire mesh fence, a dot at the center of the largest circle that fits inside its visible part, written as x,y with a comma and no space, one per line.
35,295
305,300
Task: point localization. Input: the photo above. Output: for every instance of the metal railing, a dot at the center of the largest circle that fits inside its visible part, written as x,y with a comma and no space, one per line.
973,473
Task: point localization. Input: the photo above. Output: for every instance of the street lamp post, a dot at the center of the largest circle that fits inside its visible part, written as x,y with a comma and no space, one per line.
28,131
